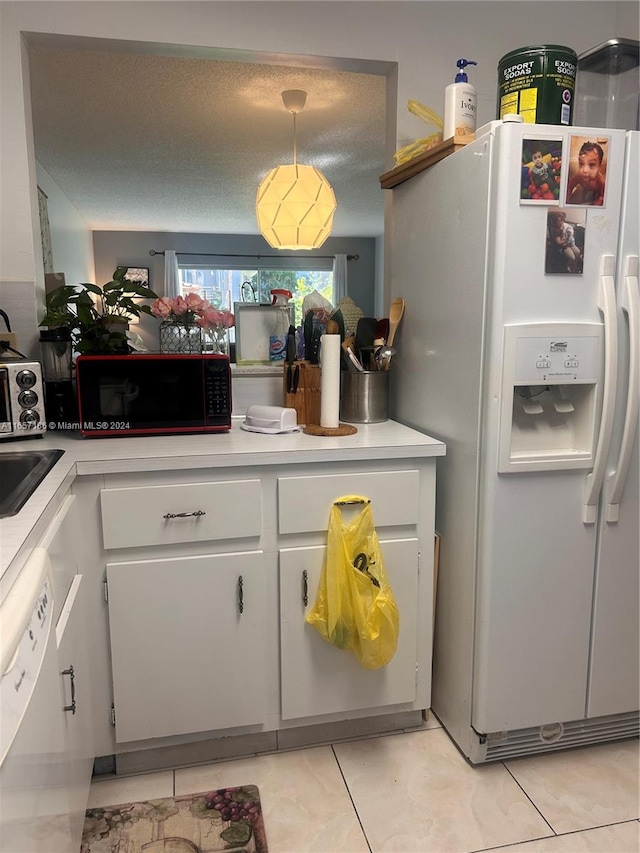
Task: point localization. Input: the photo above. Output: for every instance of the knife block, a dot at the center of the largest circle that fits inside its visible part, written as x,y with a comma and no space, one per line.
306,400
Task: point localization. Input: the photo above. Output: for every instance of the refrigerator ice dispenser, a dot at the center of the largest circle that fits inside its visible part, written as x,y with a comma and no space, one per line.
550,393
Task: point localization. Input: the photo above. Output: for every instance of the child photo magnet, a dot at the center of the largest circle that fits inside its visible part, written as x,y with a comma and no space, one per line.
587,181
565,241
540,171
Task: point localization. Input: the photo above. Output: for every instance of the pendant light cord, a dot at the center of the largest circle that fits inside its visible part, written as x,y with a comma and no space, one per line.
295,162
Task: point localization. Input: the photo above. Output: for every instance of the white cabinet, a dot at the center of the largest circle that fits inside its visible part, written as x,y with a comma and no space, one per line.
185,659
148,554
187,643
72,633
316,677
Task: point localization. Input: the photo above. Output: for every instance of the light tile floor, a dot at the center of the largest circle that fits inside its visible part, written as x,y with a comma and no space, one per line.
412,792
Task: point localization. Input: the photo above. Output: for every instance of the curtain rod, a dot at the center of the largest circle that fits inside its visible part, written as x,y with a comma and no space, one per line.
230,255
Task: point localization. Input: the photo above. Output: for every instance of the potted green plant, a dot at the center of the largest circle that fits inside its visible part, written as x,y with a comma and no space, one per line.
97,317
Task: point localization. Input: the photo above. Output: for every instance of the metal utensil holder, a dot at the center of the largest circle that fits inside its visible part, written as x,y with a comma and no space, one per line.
364,396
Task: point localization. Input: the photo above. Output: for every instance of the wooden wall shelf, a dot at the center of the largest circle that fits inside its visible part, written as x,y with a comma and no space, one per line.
417,164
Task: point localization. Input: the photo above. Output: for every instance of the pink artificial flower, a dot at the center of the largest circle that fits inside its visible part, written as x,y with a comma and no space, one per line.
195,303
210,318
179,306
228,320
162,307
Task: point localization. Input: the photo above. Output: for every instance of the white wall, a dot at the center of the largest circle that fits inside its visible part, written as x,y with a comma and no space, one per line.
71,238
424,38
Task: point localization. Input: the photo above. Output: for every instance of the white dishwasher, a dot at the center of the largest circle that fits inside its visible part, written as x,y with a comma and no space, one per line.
34,804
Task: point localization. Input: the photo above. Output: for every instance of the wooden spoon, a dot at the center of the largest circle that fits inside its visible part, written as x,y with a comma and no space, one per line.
396,310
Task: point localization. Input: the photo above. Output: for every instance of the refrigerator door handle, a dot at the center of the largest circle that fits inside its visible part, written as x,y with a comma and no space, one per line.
607,306
630,304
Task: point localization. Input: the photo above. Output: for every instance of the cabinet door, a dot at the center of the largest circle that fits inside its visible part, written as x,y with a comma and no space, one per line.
187,644
75,690
316,677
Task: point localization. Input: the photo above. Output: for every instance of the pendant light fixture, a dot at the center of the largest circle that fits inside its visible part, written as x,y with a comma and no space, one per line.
295,204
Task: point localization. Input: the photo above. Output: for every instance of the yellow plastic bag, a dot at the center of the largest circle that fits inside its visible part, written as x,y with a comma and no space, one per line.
420,146
355,608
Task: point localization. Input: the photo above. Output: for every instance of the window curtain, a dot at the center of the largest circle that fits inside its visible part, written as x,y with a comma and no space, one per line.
339,277
171,274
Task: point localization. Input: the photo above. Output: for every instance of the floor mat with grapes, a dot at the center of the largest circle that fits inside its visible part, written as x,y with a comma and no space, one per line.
229,819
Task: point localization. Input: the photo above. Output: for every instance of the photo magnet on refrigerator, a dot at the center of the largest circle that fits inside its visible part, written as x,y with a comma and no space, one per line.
541,171
587,181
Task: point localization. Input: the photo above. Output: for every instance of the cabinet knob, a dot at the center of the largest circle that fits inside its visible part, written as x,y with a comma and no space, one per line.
72,677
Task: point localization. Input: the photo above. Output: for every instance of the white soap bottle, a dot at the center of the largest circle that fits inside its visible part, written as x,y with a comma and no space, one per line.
460,104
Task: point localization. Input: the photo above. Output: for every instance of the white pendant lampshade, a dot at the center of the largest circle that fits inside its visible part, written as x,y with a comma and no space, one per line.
295,204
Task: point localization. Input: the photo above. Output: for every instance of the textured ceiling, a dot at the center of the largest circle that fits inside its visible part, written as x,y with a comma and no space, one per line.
156,143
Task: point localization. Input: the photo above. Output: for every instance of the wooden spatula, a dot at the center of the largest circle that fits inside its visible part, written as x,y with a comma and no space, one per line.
396,310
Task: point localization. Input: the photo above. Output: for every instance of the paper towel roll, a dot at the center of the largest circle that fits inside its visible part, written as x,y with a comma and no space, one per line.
330,350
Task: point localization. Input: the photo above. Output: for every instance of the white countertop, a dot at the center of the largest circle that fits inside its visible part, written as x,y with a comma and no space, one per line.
388,440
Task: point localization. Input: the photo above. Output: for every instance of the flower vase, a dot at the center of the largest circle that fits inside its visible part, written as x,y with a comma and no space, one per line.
216,340
180,338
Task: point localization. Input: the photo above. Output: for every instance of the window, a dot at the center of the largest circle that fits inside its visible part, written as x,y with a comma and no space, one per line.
224,285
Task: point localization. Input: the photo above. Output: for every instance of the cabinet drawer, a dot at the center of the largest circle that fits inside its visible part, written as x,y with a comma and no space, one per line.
304,502
153,515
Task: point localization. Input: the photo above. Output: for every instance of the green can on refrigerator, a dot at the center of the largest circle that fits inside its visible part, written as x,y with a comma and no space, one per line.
538,83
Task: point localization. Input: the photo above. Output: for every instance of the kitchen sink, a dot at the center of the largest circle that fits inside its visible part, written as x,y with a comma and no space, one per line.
21,472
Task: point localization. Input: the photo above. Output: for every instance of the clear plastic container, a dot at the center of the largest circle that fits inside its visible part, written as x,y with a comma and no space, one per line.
57,352
607,86
59,391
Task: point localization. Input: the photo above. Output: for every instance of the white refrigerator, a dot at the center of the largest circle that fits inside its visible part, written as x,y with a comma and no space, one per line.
519,348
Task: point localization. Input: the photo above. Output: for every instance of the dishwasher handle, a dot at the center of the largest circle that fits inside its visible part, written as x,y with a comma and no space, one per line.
72,677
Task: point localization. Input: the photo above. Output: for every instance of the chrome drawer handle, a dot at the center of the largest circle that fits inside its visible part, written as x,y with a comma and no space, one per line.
70,672
240,594
196,514
305,588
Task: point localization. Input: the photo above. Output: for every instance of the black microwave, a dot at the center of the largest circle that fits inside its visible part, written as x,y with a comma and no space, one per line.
153,394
